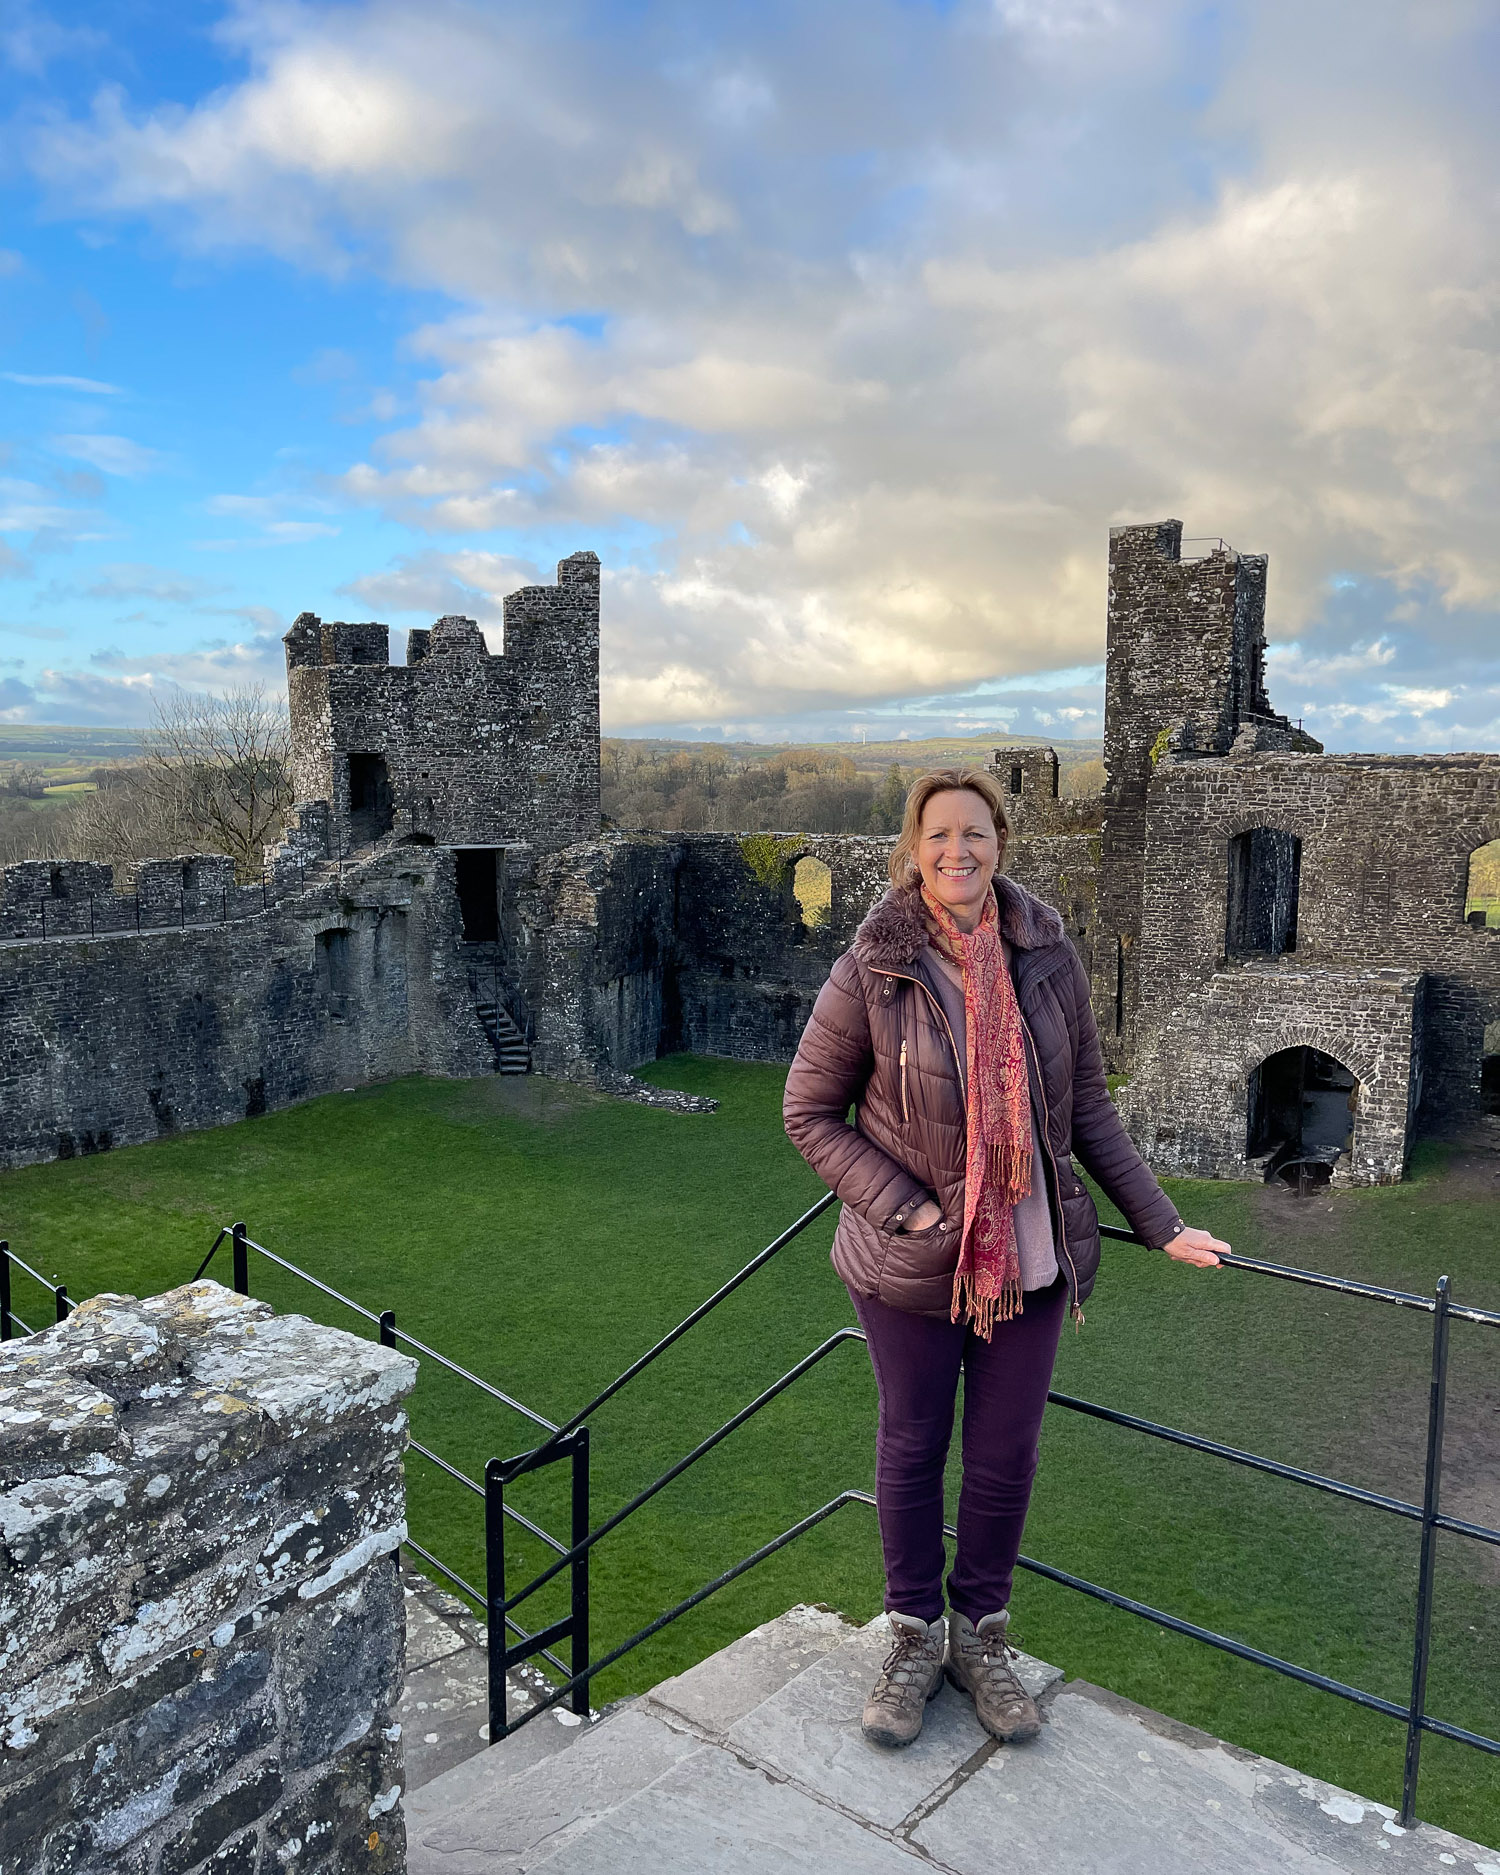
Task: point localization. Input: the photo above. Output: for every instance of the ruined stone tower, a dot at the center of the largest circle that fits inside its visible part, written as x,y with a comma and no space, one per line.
457,747
1185,670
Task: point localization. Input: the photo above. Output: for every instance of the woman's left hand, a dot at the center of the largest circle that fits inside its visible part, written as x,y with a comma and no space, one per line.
1198,1247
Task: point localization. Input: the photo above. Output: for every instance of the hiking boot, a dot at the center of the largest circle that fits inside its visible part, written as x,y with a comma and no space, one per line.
910,1676
979,1664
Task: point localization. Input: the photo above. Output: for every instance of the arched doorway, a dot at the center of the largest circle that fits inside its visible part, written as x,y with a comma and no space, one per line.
1482,895
1489,1070
812,888
1300,1111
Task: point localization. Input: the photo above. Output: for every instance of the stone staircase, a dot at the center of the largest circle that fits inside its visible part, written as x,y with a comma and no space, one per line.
512,1056
752,1763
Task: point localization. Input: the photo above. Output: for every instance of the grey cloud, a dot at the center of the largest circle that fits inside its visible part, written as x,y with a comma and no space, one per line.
875,319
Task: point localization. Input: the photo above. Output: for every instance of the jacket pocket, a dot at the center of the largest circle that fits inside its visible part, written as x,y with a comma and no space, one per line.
913,1254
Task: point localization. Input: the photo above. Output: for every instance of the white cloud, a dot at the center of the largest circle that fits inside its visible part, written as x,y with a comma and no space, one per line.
91,387
110,455
870,320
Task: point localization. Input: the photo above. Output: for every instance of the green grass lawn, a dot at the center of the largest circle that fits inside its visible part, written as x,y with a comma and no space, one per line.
544,1237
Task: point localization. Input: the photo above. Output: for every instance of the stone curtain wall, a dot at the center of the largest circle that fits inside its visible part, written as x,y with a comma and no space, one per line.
1384,862
112,1040
201,1628
478,750
1187,1108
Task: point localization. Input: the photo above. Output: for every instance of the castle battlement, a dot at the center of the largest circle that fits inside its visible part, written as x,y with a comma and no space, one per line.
459,746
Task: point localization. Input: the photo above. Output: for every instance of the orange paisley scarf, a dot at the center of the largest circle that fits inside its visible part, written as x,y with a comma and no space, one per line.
987,1282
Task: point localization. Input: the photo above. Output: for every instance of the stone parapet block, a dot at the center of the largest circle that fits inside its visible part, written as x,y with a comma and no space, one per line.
201,1632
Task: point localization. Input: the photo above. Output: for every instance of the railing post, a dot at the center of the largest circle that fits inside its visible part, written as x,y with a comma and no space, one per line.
60,1298
91,914
579,1698
387,1328
494,1593
241,1260
1437,1400
4,1289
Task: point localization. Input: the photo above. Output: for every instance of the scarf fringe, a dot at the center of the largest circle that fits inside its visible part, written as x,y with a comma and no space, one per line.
1009,1165
982,1312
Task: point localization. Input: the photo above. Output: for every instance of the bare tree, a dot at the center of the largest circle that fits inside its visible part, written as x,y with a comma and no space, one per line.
214,775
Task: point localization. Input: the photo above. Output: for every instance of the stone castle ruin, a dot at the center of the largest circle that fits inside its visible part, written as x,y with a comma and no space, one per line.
1277,940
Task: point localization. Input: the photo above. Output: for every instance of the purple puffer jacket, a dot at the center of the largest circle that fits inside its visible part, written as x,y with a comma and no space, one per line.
877,1039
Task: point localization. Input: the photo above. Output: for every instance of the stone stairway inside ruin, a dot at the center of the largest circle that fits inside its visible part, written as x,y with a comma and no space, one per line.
512,1056
752,1763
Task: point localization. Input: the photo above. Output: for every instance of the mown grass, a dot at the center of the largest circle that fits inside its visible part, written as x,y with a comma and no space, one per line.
545,1237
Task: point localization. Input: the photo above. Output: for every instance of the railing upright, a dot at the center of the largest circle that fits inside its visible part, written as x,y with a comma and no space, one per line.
574,1626
1437,1403
4,1289
237,1238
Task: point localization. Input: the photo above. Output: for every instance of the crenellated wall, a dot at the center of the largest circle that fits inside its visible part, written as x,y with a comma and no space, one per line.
456,746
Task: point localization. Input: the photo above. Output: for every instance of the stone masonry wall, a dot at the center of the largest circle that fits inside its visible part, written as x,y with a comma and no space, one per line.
477,750
1385,845
1187,1105
201,1629
130,1036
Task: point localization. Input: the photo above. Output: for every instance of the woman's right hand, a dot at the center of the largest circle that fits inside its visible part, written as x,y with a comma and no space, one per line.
925,1216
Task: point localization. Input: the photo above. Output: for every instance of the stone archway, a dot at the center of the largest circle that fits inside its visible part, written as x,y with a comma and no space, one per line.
1301,1112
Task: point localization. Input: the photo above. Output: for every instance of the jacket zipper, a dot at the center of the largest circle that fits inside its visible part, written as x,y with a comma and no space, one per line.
1062,1227
905,1110
900,976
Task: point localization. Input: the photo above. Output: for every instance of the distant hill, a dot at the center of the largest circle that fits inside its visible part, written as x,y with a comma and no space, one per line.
62,745
872,758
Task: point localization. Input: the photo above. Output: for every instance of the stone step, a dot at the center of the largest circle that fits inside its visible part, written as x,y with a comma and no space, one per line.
752,1763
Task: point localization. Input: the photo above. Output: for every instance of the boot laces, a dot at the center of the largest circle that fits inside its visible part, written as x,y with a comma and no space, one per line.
902,1665
996,1654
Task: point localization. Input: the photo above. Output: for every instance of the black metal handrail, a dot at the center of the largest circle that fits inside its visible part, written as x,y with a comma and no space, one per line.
1428,1513
571,1437
62,1303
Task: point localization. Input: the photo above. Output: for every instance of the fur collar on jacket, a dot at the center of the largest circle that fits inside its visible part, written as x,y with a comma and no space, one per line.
894,932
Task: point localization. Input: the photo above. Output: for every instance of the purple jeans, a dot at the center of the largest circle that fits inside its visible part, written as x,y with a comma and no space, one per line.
917,1359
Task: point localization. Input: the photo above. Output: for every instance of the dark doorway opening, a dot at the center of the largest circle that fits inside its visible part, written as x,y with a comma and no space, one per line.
1301,1111
1265,871
1489,1071
478,893
372,805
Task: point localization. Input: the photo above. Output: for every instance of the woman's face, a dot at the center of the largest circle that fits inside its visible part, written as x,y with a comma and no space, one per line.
958,851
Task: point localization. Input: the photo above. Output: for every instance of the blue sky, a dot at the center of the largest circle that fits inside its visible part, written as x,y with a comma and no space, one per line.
842,330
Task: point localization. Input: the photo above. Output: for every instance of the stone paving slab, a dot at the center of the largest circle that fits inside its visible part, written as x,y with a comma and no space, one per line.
723,1688
510,1821
444,1706
712,1815
695,1777
1104,1789
809,1731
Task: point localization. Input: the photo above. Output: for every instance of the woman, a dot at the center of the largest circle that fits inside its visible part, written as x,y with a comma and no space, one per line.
958,1027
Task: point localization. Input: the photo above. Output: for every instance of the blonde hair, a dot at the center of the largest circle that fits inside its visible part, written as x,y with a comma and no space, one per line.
903,865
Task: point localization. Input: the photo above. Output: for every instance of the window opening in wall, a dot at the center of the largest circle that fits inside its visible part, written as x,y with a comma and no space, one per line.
478,878
1265,871
331,949
1015,779
58,883
1482,899
1300,1116
372,805
1119,986
812,888
1489,1070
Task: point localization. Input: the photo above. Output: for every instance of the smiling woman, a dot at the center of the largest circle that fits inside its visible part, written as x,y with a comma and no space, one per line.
958,1027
